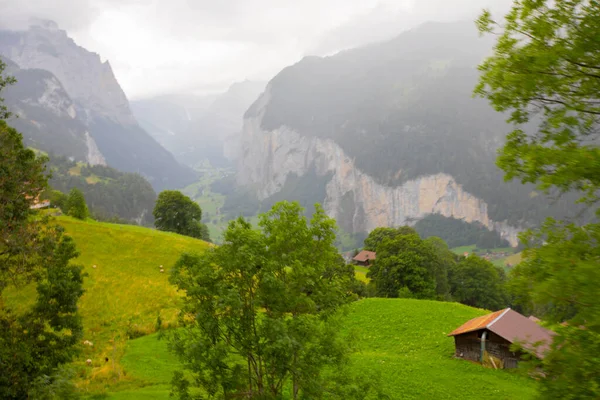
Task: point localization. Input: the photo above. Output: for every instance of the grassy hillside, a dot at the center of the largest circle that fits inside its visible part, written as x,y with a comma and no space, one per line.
124,293
402,340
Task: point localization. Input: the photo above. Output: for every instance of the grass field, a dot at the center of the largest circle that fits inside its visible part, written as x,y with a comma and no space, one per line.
209,201
361,273
403,340
499,262
124,293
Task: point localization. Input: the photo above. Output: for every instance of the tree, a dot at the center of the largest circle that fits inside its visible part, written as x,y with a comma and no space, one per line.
35,341
545,71
377,235
260,311
57,199
4,81
446,262
76,206
476,282
404,267
176,212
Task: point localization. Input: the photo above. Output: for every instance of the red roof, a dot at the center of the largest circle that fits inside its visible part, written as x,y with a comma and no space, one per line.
365,255
513,327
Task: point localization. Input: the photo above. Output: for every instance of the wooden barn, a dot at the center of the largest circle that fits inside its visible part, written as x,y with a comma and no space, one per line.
364,258
494,333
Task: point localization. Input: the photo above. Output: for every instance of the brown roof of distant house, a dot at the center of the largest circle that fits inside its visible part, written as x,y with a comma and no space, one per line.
513,327
364,256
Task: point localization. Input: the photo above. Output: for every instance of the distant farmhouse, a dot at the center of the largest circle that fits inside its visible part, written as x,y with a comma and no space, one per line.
493,334
40,204
364,258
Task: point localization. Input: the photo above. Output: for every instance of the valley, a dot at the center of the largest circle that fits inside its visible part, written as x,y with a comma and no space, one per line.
235,202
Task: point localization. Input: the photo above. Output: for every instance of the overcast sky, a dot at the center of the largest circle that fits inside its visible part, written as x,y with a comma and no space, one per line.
178,46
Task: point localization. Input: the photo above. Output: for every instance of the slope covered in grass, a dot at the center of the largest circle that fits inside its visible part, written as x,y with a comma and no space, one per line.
124,293
402,340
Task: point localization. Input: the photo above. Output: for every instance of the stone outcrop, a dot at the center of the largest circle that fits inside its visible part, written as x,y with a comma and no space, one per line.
89,81
269,157
110,132
47,117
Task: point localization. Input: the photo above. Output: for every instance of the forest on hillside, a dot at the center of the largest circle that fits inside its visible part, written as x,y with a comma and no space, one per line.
111,195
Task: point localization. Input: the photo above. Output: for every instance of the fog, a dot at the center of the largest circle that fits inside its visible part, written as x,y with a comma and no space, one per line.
200,46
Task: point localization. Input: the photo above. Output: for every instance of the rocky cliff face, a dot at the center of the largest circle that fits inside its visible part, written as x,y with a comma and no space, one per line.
353,198
90,82
111,132
47,117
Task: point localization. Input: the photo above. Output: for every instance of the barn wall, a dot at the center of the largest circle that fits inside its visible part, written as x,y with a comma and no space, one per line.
468,346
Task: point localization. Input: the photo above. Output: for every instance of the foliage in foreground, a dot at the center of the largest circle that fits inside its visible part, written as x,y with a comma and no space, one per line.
403,341
545,70
35,341
261,311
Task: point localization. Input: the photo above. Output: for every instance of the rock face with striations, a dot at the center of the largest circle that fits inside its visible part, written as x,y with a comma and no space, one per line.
46,116
99,103
394,130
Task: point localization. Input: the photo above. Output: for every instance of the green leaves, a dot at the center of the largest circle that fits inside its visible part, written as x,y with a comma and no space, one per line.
546,72
76,206
4,81
260,309
478,283
176,212
407,266
38,340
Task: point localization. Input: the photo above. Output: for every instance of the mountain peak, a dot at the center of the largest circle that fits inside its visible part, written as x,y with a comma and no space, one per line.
88,81
45,24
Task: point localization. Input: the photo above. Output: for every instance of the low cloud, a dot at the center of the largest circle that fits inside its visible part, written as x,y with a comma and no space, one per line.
161,46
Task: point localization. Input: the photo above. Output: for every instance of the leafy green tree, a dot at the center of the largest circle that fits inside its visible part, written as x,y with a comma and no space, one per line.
57,199
261,311
476,282
76,206
545,72
176,212
35,341
4,82
405,267
446,262
377,235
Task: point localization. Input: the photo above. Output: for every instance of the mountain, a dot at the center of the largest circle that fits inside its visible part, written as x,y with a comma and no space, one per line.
98,102
45,114
198,128
388,134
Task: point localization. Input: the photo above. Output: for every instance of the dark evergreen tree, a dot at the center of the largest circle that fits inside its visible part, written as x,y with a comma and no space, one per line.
36,341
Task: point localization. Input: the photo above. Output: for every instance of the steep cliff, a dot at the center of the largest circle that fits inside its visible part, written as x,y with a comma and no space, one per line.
395,126
357,201
46,116
89,81
99,103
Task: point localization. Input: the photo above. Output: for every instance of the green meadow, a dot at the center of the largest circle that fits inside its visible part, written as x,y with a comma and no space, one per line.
402,340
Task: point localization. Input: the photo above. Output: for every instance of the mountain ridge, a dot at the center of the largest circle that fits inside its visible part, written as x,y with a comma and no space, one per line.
99,102
391,114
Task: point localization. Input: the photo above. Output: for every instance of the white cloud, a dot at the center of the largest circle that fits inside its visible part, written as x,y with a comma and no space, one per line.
159,46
